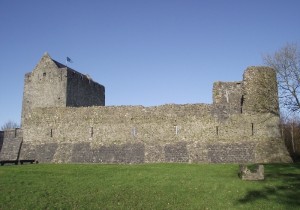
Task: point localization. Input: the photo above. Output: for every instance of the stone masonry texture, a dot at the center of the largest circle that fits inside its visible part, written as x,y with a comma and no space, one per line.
52,84
12,140
1,139
105,135
71,124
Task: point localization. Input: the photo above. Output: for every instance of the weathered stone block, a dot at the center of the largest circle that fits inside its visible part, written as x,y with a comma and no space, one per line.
82,153
176,152
45,152
11,142
231,153
127,153
28,151
257,174
154,153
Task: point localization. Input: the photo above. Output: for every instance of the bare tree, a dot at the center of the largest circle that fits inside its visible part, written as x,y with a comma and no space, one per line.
286,62
290,131
9,125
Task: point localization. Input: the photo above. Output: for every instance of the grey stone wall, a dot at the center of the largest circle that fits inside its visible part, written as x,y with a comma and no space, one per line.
135,134
12,140
1,139
242,152
176,152
228,95
83,91
227,99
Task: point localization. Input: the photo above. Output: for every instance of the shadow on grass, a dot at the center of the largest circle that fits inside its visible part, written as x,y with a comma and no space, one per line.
282,186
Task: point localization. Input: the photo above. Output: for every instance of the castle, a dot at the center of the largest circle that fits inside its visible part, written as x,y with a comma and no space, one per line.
64,119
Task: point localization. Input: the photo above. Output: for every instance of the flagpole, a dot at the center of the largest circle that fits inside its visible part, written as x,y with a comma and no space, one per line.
68,60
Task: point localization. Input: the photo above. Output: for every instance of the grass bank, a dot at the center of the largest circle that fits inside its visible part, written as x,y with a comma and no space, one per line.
149,186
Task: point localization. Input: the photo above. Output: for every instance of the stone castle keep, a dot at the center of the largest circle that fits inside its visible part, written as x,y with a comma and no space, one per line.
64,119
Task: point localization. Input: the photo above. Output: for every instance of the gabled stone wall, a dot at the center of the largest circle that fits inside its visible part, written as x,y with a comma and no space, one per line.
52,84
45,86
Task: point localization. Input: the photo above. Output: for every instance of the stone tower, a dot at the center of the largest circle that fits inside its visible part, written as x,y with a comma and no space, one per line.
52,84
260,92
257,93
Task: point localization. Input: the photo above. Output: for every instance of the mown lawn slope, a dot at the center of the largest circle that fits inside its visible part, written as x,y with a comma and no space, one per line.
147,186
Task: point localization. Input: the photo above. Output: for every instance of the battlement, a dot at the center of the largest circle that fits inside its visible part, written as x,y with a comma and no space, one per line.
12,133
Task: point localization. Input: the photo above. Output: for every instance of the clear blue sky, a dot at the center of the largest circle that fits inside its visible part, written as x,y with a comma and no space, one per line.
144,52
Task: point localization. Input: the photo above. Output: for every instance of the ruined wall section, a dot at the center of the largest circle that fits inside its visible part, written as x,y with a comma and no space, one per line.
257,93
227,98
136,134
83,91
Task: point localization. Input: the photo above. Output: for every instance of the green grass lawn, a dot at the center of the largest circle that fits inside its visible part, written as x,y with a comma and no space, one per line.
148,186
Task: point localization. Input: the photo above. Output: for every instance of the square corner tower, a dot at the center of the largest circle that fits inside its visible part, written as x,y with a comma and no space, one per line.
52,84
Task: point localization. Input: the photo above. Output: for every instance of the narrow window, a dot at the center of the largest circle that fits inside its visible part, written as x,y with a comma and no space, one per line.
44,74
51,133
217,130
252,128
176,130
92,131
133,132
242,103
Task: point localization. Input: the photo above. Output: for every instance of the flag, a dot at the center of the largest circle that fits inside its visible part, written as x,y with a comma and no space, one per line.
69,60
